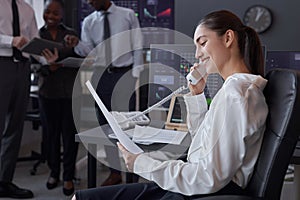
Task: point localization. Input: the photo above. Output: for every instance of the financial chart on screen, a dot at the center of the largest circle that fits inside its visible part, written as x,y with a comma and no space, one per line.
152,14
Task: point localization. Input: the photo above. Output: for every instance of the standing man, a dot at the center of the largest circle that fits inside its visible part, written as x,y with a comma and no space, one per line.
119,63
17,27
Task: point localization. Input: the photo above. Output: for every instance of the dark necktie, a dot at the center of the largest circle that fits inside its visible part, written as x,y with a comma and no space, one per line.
106,37
16,29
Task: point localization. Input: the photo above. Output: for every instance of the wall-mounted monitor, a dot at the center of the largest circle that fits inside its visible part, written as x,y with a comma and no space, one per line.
152,14
282,59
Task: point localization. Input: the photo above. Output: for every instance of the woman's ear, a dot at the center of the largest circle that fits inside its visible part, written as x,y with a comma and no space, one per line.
229,37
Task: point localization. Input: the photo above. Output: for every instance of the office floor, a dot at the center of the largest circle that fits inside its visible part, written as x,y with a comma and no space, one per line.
37,183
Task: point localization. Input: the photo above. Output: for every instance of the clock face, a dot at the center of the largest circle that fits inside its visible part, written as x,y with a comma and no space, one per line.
259,18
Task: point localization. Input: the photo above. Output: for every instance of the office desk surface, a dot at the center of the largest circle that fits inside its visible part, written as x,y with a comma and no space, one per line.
97,137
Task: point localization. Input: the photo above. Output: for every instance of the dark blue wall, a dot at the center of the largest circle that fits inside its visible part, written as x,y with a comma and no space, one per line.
283,35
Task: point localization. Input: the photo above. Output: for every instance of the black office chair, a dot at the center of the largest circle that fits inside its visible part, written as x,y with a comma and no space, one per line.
282,131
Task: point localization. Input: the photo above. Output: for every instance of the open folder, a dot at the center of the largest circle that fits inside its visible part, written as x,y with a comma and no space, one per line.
121,135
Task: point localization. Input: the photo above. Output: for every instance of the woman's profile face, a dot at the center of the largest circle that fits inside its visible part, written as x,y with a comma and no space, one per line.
210,49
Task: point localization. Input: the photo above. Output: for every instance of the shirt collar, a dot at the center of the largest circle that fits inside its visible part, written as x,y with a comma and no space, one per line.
111,9
257,80
61,26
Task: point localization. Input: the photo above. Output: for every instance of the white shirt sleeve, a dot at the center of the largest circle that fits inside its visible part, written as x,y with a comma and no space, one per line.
86,44
33,29
137,46
5,41
217,151
196,109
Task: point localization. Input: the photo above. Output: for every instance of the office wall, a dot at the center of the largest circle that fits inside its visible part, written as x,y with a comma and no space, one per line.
284,34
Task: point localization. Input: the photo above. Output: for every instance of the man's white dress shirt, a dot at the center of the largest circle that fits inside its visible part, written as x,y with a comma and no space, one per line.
28,25
126,38
226,140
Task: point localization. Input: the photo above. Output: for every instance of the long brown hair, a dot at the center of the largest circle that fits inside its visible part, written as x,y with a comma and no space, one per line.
248,41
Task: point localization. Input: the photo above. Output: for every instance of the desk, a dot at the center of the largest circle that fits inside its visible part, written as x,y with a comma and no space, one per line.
98,136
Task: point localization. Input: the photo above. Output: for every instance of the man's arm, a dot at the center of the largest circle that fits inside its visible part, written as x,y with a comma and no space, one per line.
84,46
137,46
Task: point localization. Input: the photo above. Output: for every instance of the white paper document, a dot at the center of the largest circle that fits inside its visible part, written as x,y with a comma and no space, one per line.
148,135
122,137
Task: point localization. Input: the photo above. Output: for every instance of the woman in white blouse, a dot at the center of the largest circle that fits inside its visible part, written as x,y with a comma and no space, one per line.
226,139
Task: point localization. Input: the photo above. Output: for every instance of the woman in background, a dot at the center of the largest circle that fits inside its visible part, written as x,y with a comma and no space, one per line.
55,92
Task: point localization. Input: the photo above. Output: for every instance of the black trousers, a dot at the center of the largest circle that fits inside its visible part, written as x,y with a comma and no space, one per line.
14,93
59,124
116,88
145,191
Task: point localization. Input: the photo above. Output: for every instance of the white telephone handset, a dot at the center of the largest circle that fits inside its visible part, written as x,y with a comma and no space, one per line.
130,119
197,74
126,121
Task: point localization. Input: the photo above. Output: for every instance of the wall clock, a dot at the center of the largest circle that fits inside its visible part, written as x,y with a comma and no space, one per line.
258,17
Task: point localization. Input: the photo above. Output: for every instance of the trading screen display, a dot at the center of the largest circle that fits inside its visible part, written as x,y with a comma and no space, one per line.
84,9
152,15
157,13
282,59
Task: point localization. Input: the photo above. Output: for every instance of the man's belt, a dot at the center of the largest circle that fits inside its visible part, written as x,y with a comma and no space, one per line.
6,58
11,58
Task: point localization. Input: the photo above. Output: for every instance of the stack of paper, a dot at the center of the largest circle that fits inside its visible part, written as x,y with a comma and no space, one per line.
122,137
148,135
